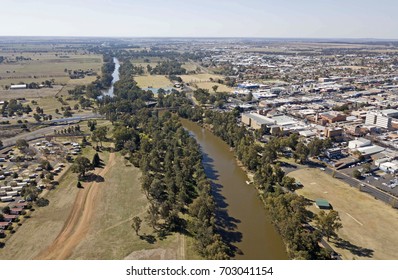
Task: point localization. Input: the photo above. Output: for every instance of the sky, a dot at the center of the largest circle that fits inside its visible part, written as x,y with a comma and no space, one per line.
204,18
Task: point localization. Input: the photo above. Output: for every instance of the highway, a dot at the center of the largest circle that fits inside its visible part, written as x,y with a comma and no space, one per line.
41,132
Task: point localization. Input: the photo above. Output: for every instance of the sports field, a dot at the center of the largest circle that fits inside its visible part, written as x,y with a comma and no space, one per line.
369,225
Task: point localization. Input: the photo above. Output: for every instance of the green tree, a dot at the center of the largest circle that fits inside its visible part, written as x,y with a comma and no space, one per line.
96,162
21,144
356,174
99,134
81,165
136,225
215,87
328,223
301,153
79,185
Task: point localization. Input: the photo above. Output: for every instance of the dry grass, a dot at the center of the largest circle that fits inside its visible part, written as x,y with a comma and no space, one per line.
155,81
369,225
46,66
209,86
197,78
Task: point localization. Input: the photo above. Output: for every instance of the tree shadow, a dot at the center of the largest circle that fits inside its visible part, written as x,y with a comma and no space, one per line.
148,238
226,225
91,177
354,249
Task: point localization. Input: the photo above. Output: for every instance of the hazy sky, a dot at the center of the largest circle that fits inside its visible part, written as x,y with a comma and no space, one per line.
204,18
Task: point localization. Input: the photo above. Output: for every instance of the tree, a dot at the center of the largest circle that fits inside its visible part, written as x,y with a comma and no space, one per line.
215,87
99,134
356,174
21,144
1,144
136,225
301,153
96,162
329,223
367,168
81,165
79,185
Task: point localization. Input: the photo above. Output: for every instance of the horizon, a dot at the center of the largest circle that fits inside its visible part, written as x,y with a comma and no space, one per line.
205,19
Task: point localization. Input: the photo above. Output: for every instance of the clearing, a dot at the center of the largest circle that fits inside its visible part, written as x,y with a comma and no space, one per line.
155,81
369,225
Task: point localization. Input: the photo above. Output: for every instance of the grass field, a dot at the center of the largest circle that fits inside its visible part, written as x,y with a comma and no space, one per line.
199,78
155,81
111,235
209,85
190,66
369,225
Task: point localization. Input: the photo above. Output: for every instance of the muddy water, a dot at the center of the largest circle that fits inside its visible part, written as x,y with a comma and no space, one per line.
241,215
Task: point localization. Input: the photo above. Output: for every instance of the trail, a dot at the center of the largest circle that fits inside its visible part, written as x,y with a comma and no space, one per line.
77,224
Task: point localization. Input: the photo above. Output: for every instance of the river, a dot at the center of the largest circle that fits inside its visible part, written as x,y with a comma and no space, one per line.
115,76
241,216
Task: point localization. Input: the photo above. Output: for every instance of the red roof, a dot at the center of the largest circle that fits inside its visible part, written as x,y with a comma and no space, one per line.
10,216
4,224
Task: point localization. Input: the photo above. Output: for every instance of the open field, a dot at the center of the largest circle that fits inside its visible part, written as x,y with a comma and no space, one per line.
190,66
209,85
369,225
46,66
155,81
110,235
199,78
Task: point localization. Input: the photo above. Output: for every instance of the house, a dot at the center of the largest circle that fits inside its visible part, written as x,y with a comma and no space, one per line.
333,152
10,218
4,225
358,143
332,117
16,211
334,132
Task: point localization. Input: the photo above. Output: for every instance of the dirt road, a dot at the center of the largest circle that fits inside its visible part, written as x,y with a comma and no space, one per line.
78,222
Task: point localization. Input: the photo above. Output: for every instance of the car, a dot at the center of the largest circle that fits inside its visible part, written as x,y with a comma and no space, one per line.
323,169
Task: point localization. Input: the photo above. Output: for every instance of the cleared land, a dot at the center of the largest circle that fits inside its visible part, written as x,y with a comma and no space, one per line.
369,226
209,86
110,235
77,225
155,81
197,78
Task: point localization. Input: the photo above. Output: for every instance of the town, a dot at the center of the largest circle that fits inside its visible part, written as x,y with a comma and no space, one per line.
312,122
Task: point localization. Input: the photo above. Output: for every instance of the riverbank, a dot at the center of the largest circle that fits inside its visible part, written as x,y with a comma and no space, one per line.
241,215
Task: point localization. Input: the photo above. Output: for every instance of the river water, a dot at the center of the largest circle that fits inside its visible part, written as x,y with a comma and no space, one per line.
241,214
115,76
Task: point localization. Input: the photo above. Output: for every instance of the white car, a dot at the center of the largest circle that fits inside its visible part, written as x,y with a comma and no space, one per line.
323,169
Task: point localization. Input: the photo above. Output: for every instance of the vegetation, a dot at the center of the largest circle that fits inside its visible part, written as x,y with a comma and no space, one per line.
328,223
81,165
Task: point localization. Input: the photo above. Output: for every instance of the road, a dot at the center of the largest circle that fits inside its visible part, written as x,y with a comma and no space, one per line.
46,130
78,223
363,186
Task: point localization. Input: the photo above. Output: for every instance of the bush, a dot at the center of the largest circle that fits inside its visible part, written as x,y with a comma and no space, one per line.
42,202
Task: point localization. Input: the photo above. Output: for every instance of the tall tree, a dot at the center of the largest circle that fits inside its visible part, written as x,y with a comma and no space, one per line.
81,165
136,225
328,223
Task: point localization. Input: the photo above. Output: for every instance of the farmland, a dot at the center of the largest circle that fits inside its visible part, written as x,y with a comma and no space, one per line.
155,81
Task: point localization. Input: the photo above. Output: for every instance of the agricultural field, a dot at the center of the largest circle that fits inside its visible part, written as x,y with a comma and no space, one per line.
155,81
368,224
45,66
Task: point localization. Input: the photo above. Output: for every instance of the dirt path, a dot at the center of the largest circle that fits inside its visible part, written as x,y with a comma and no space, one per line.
77,224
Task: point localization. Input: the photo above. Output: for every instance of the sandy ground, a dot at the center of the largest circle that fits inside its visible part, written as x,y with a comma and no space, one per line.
369,225
77,225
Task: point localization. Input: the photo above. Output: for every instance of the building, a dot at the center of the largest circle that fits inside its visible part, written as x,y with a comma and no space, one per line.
322,204
389,167
358,143
256,121
333,132
18,86
382,118
332,117
333,152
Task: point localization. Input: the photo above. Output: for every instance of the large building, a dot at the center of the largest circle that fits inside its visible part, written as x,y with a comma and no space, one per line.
381,118
256,121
